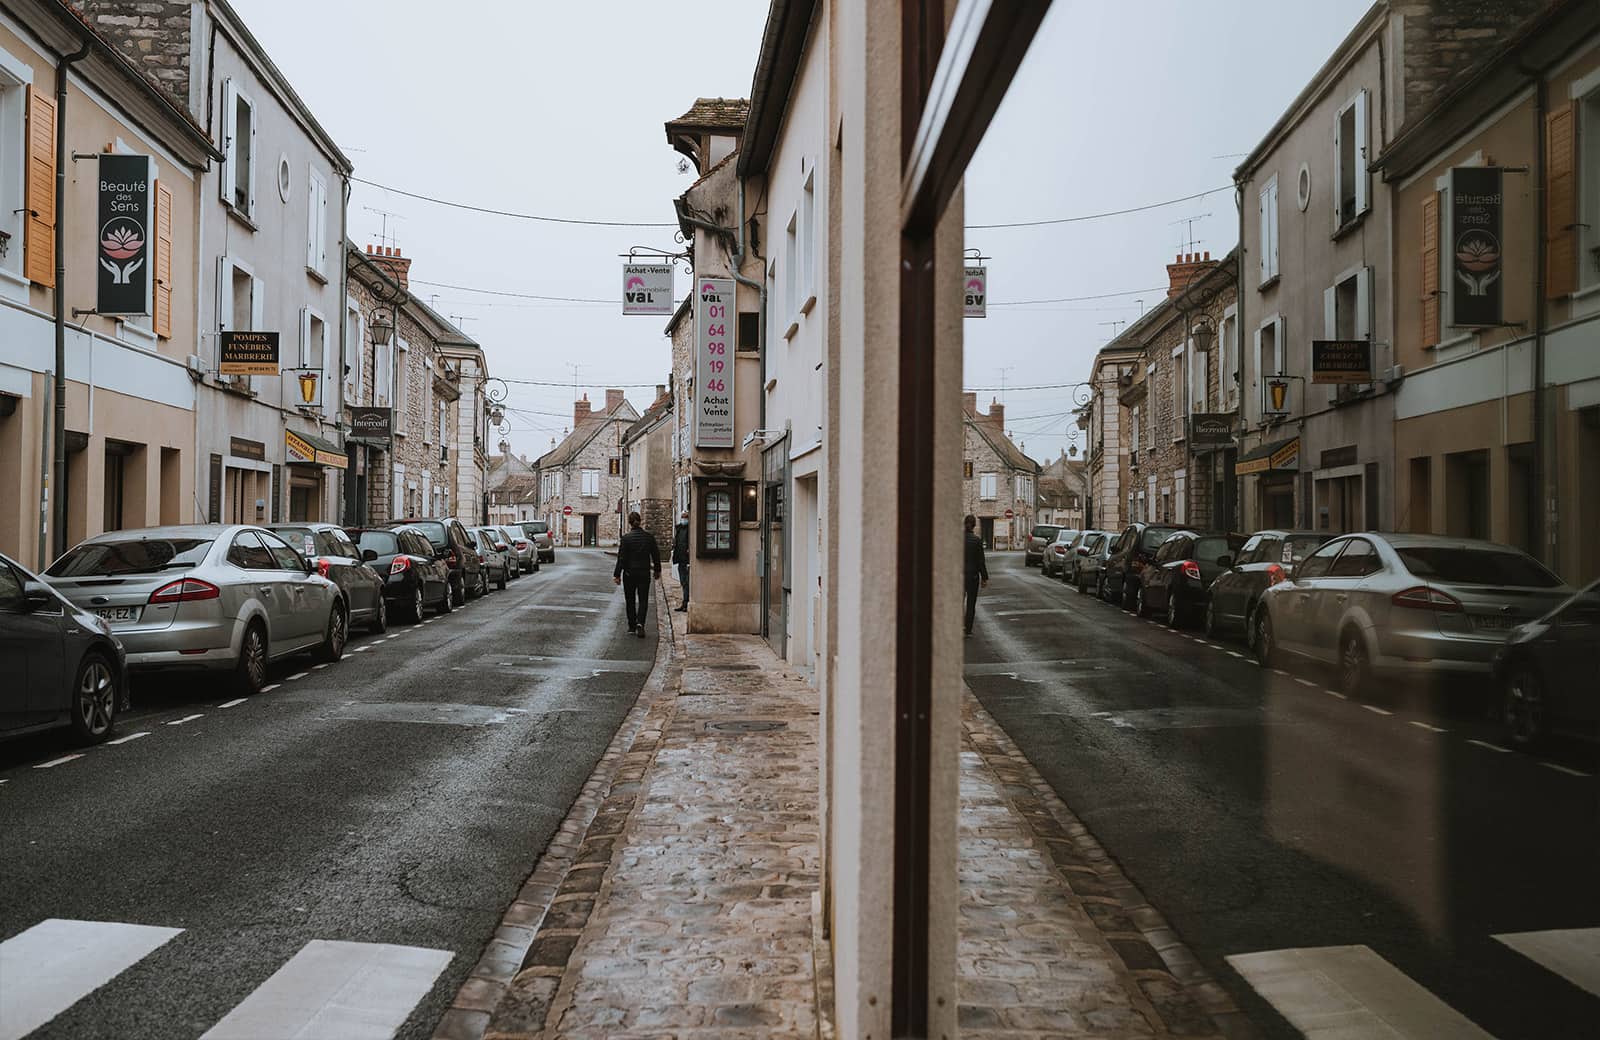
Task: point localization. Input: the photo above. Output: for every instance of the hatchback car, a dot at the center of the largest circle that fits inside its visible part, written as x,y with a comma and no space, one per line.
1056,553
498,557
544,544
456,548
1091,568
337,558
1266,558
1545,672
1041,536
1074,558
1178,581
1135,549
1404,604
415,578
527,555
211,597
62,665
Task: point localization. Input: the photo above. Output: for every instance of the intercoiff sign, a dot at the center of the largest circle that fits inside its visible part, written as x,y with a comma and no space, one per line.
713,363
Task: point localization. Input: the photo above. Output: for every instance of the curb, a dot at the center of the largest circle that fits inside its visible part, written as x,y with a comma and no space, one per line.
514,970
1181,992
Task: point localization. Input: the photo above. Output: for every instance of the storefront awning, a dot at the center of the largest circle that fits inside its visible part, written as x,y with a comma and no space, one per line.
307,449
1277,457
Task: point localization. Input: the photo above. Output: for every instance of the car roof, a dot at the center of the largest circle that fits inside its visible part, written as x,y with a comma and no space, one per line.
1408,539
314,525
1291,532
131,534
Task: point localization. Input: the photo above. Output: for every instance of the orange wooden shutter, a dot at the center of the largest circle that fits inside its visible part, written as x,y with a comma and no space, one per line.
39,240
163,289
1431,299
1561,202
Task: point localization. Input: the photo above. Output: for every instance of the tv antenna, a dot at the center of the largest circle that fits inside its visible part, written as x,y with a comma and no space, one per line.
384,238
1188,242
1116,327
1003,372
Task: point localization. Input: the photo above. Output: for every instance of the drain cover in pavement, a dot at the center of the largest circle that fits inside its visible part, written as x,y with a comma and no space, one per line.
746,726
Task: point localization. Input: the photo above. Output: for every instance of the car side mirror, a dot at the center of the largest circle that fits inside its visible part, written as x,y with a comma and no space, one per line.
368,555
36,595
311,565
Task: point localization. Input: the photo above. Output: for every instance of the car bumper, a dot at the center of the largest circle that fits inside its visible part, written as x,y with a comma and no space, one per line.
1422,653
182,643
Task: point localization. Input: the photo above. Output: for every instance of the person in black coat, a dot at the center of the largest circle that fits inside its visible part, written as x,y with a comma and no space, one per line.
976,569
680,556
638,560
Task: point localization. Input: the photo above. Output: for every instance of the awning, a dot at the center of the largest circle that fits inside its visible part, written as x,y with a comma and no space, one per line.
1279,456
307,449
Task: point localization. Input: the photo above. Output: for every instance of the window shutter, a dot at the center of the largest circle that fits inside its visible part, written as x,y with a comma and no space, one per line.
305,337
1280,344
230,150
255,161
39,240
1338,166
1364,303
1330,317
163,289
313,250
1272,212
1431,297
1362,203
1561,201
1265,236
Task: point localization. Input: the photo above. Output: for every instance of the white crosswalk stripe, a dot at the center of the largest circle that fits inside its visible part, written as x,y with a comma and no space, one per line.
57,963
1572,953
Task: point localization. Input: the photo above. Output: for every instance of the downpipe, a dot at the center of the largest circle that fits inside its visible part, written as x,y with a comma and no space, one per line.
58,499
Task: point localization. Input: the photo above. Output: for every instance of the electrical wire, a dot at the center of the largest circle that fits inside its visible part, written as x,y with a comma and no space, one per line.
510,213
1098,216
517,295
1078,299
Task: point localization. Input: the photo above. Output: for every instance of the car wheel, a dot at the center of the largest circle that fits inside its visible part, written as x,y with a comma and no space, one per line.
483,582
1522,706
1266,646
1173,614
332,646
501,584
94,699
1355,672
380,618
251,672
1133,598
417,606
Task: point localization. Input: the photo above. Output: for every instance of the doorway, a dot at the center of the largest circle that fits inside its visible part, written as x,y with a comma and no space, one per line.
986,532
591,530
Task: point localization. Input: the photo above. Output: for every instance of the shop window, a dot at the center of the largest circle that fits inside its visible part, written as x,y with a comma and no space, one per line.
749,502
719,531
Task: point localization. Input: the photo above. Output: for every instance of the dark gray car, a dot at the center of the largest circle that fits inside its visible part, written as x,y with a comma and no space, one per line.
336,557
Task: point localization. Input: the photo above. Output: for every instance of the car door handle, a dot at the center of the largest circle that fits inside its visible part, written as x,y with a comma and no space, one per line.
1341,597
265,590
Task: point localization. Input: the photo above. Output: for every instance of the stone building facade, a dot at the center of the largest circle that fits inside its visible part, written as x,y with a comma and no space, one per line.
999,484
647,453
585,473
1104,419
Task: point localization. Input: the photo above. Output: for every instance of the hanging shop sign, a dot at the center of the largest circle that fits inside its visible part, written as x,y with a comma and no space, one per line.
975,292
1279,456
309,449
303,387
371,424
646,288
1477,205
244,448
1211,428
1341,361
1277,398
247,353
713,366
127,203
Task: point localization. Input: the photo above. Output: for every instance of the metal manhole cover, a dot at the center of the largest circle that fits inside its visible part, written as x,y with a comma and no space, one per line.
746,726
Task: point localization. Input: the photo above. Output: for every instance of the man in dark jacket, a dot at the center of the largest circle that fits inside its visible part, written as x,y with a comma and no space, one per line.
637,559
680,556
976,570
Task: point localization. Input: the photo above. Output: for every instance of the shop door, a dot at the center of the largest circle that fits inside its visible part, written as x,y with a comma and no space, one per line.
1277,505
591,530
986,532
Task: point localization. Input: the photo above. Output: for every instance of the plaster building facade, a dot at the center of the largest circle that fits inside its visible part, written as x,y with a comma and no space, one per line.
584,473
999,483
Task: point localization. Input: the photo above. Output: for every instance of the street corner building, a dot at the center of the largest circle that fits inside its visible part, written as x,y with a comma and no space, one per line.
582,488
999,482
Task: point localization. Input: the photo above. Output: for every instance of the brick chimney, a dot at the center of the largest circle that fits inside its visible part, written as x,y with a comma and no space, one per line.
969,404
613,400
394,265
1188,269
661,391
997,416
580,411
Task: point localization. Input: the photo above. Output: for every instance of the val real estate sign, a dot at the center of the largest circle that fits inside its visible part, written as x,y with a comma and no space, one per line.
1477,203
646,288
713,364
975,292
127,205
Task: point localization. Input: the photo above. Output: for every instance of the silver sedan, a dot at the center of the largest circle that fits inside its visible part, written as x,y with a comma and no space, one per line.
1413,605
205,597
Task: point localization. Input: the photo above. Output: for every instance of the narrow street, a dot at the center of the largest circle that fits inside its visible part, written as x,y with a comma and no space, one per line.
399,796
1260,812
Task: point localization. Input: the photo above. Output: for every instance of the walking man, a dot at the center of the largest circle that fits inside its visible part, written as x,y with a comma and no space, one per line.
637,558
680,556
976,570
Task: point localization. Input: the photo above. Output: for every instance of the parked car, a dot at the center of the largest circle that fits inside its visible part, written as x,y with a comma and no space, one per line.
497,556
216,597
1404,604
1092,556
1134,550
415,577
1055,554
544,544
1266,558
63,667
527,555
1178,582
1074,558
1545,672
1041,536
453,545
336,558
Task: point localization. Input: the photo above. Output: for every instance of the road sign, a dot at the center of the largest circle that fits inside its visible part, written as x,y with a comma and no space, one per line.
566,510
1010,513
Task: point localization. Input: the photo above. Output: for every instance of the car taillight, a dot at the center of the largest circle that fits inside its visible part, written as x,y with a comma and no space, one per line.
322,567
1276,574
184,590
1424,598
521,546
400,565
450,559
1191,570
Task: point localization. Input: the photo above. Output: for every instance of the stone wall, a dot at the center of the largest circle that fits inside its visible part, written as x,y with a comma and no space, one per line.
153,34
1441,39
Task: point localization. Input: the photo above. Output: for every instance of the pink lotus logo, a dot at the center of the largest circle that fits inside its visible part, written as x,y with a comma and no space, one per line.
121,243
635,282
708,289
975,283
121,239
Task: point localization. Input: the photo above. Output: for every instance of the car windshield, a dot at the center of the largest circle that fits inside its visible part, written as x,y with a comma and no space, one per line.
1463,565
301,538
536,527
434,530
1152,538
1043,531
134,556
1298,547
384,543
1211,547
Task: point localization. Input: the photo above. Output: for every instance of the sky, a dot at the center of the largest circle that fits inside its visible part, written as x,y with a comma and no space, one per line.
533,107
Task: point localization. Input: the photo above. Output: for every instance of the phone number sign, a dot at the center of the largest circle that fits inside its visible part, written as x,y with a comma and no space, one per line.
713,363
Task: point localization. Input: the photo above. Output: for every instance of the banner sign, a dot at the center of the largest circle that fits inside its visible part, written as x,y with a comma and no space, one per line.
646,288
1477,204
371,424
975,292
1277,398
713,364
1211,428
247,353
299,450
127,203
1341,361
303,387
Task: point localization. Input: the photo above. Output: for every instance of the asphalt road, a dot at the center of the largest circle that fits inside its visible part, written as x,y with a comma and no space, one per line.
1260,811
399,796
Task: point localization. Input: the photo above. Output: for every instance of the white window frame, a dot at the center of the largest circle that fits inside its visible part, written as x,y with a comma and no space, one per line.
15,78
988,486
1279,357
590,483
308,351
402,503
1134,447
1267,232
226,320
1227,389
355,336
399,381
1586,92
316,225
231,95
442,407
791,272
1363,195
1362,324
808,241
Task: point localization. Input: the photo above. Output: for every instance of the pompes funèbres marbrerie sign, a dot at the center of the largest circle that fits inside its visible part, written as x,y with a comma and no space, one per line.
713,363
122,247
646,288
1477,204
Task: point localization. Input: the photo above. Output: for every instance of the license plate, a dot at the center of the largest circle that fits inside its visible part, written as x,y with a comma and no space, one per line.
1494,622
119,613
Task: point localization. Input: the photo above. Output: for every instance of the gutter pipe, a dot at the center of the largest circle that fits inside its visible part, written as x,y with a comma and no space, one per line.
58,502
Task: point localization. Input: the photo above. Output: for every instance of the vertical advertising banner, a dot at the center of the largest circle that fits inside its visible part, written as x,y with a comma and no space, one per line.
1477,205
713,363
127,203
975,292
646,288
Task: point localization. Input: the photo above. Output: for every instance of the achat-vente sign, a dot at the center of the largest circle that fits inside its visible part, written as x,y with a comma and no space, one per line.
713,363
127,206
646,288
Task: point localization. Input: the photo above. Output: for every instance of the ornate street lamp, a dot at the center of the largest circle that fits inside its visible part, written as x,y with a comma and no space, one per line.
382,326
1203,333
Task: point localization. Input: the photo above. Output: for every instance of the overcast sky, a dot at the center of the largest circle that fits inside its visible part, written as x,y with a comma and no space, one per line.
557,109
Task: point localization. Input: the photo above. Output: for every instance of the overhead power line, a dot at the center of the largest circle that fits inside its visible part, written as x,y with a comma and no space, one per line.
1077,299
1098,216
516,295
